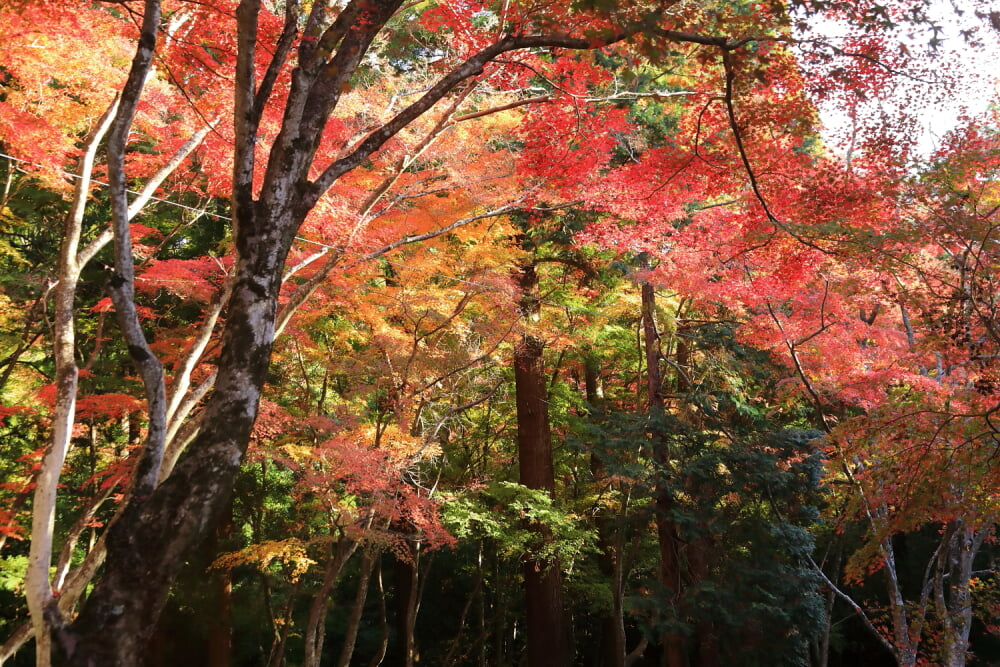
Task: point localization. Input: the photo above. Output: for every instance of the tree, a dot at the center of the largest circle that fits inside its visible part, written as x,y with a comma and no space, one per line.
798,266
291,89
163,520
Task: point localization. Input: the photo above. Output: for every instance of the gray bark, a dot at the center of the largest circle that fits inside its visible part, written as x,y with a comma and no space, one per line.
167,516
38,588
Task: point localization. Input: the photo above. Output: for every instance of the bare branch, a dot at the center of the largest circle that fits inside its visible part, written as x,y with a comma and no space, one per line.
854,605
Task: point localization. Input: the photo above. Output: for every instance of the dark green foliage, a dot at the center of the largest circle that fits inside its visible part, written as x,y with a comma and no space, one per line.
743,510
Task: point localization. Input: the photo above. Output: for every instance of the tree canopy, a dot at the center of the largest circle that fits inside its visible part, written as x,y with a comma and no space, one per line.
598,333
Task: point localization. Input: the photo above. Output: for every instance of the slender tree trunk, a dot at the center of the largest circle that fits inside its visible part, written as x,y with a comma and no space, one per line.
498,607
546,635
674,652
316,624
383,619
484,649
37,586
474,596
277,655
905,646
831,598
368,559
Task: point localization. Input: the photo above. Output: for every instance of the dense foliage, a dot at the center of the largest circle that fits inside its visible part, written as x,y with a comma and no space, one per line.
497,333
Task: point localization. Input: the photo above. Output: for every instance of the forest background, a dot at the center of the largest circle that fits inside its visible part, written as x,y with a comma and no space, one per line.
480,333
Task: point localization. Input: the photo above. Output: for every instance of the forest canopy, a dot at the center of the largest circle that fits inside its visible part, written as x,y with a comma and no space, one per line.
499,333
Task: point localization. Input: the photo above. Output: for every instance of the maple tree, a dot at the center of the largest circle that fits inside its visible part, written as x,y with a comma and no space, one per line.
806,290
308,139
944,396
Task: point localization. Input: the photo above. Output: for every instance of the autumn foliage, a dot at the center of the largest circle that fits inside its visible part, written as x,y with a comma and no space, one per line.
280,283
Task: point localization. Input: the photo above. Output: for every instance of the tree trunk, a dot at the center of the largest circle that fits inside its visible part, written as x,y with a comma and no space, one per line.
953,598
609,561
474,596
383,620
220,625
674,652
316,624
276,658
147,546
499,605
368,558
823,646
406,572
546,635
905,646
37,586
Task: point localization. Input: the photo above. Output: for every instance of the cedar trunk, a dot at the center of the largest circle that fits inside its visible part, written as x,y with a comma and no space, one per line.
609,557
546,636
674,652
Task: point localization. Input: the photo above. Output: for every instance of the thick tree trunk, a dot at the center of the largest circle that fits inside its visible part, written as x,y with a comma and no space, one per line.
546,635
608,543
406,574
220,625
147,546
674,652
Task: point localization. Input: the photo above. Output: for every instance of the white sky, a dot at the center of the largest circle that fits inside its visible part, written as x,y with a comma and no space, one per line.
976,71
